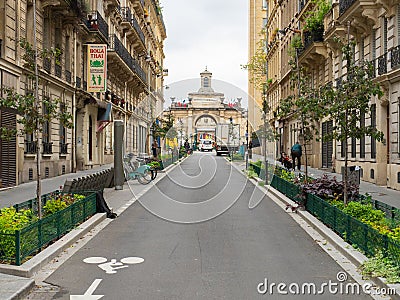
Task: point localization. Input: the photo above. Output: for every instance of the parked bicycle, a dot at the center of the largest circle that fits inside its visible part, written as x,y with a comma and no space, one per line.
137,169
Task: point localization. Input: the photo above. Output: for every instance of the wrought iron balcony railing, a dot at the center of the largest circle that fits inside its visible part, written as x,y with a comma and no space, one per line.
63,148
47,148
136,26
395,57
311,37
116,45
95,22
30,147
344,5
382,64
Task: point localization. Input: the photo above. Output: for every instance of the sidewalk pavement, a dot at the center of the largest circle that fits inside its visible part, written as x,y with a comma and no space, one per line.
27,191
17,281
380,193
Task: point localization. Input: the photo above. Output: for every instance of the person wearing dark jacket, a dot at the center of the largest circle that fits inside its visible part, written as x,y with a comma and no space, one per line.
296,152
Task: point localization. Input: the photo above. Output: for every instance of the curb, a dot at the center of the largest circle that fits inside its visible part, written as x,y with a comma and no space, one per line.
356,257
22,287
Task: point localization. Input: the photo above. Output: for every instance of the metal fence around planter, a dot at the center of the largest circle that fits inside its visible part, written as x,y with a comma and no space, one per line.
17,246
287,188
169,160
350,229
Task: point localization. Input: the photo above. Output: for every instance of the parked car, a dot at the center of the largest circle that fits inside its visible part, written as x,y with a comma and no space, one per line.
206,145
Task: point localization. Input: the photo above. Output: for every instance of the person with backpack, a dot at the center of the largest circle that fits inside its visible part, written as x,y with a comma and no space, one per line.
296,152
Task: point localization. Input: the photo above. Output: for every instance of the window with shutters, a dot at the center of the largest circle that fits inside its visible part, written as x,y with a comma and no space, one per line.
361,50
373,124
342,148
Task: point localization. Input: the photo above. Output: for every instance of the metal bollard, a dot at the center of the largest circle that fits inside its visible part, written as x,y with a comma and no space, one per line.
266,172
119,177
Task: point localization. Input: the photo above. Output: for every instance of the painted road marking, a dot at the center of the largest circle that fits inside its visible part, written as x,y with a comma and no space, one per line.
113,265
88,294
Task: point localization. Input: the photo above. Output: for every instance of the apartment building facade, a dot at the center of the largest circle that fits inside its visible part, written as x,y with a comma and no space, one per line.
131,34
375,29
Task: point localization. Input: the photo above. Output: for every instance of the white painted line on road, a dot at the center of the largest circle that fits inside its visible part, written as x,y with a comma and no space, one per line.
88,295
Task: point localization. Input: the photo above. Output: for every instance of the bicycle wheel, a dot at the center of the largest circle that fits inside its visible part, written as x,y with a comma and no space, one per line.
145,178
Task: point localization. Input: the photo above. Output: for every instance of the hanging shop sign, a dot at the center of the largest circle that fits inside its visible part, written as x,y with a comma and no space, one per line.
97,68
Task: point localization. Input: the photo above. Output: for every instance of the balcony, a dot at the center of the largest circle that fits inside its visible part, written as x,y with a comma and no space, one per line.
344,5
47,148
30,147
116,46
130,20
96,23
395,57
382,64
314,48
363,14
63,148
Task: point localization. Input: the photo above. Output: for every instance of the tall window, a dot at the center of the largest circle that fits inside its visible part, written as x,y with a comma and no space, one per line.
63,130
353,147
362,140
46,124
265,4
385,35
373,124
206,82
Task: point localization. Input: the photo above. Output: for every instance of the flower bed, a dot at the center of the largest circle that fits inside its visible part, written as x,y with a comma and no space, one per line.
22,234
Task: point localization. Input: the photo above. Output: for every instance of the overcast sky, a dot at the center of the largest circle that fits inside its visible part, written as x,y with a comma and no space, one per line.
202,33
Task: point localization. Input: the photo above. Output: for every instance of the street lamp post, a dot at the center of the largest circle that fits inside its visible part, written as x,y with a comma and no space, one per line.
265,111
231,136
247,138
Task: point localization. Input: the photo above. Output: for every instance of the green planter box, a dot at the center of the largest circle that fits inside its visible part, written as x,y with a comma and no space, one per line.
16,246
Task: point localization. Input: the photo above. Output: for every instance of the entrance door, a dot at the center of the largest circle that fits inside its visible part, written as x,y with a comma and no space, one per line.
327,147
8,152
90,139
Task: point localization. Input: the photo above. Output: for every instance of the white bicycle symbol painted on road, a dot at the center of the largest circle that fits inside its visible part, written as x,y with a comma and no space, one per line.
111,267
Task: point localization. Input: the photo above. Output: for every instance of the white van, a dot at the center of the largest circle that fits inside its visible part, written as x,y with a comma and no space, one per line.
206,145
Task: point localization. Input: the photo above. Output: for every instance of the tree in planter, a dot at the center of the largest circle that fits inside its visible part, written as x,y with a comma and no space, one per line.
349,102
306,106
33,113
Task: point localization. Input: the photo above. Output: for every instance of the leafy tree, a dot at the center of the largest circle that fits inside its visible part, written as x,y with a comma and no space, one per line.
306,106
349,102
257,66
32,113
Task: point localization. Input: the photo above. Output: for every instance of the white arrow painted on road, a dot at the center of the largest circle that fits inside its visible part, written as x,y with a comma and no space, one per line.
88,294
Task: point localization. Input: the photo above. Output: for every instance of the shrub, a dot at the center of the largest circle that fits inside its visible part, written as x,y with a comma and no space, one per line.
329,188
11,220
381,266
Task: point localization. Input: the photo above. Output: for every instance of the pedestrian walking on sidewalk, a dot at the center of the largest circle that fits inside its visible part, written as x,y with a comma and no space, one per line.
296,152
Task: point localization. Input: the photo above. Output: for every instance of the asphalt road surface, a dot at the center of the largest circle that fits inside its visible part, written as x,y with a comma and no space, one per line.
225,251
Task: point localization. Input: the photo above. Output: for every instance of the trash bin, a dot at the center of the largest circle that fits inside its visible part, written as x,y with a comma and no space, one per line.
353,174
